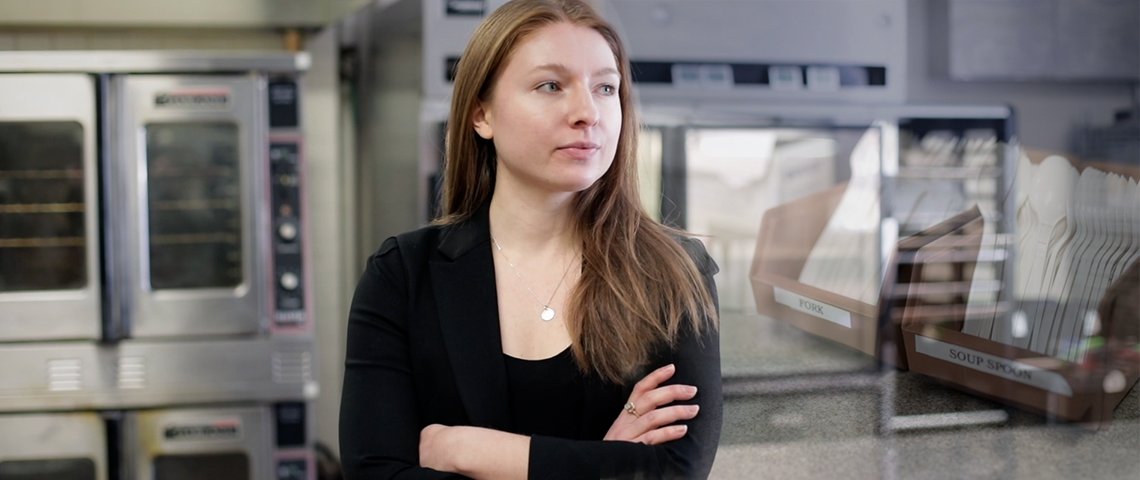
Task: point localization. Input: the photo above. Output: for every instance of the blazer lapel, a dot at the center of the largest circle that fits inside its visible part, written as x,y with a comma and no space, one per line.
464,285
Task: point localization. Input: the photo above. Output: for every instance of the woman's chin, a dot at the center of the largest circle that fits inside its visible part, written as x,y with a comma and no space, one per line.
574,185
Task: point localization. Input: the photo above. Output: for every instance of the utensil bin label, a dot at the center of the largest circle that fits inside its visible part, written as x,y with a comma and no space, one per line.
1002,367
812,307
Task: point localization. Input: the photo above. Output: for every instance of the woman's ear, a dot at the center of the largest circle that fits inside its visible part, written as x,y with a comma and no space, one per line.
481,118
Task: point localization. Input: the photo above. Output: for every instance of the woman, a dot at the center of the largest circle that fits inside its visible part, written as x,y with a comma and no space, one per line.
545,326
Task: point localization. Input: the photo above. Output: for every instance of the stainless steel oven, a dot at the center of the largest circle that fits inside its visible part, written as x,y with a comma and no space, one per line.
209,211
189,193
53,446
257,442
153,237
50,277
137,204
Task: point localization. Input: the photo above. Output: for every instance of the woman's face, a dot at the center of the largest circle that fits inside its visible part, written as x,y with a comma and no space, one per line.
554,114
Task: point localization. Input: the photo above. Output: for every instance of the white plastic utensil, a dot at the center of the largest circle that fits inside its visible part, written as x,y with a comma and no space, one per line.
1026,218
1049,200
1132,195
1126,204
1096,207
1052,187
1065,278
979,304
1053,286
1117,230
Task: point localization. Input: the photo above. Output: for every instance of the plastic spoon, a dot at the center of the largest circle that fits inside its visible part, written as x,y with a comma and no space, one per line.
1026,218
1126,205
1118,209
999,328
1078,299
1100,272
1052,189
1080,243
1049,198
1059,262
1133,252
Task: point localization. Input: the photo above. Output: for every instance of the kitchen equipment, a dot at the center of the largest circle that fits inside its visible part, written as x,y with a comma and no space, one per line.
154,262
50,245
222,443
58,446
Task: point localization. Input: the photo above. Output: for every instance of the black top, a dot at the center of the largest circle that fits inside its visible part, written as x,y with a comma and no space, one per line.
424,347
546,395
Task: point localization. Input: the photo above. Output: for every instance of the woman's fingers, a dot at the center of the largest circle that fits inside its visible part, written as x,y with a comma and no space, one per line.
669,415
663,396
652,380
653,421
662,435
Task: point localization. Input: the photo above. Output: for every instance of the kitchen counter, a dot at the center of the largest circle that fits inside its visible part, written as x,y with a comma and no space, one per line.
801,407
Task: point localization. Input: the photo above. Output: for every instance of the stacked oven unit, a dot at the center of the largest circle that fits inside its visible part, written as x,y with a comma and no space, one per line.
155,301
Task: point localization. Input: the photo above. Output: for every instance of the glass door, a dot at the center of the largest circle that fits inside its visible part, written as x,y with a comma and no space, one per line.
192,204
49,236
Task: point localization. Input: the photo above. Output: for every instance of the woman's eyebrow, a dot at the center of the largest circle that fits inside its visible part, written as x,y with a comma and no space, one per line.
561,69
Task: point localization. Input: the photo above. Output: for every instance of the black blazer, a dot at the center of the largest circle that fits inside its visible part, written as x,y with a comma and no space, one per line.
424,347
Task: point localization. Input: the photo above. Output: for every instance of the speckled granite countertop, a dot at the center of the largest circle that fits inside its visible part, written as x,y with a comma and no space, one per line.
800,407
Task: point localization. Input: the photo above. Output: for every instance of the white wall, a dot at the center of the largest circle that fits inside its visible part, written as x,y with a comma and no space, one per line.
1048,113
328,221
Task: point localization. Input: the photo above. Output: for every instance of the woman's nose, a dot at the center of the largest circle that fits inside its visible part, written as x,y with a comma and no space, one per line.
583,109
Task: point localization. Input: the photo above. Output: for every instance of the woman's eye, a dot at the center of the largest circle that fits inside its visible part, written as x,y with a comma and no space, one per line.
548,87
608,89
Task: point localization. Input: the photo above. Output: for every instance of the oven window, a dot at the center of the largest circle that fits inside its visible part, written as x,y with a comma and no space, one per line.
42,229
55,469
214,466
194,205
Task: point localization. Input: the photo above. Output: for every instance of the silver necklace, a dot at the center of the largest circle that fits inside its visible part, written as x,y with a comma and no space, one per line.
547,312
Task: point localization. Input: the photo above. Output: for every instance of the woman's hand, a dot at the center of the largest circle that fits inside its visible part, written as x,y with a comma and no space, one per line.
653,424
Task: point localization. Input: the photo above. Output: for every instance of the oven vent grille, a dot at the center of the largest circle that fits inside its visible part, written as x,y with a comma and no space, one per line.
292,367
132,373
64,374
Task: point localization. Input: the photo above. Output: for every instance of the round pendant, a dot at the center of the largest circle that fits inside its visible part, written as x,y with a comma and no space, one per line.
547,314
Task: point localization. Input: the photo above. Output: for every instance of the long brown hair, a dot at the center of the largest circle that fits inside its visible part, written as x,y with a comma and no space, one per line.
638,287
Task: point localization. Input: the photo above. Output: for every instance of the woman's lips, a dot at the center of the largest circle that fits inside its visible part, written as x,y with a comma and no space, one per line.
579,150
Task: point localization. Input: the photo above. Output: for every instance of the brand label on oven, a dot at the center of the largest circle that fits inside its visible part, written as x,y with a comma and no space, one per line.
225,429
201,99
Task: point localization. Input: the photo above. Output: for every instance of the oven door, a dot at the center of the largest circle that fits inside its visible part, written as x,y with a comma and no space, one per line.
232,443
60,446
49,236
192,200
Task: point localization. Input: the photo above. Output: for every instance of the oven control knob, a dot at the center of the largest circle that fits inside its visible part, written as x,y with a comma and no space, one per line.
287,231
289,281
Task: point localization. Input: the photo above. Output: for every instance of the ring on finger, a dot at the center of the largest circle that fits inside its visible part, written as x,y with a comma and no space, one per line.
629,407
